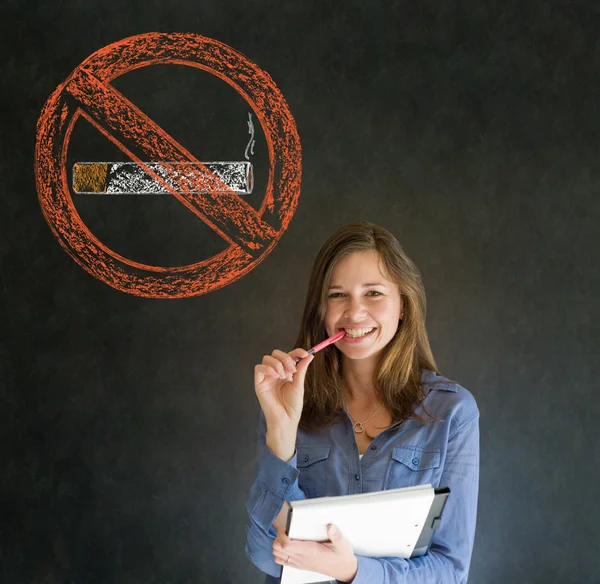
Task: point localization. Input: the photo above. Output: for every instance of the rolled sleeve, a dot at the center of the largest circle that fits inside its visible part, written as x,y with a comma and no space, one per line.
275,482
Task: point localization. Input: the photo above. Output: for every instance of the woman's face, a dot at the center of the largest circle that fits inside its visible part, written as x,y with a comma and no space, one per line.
363,302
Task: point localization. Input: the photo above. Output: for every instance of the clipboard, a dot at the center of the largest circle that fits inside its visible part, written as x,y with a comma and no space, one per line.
394,523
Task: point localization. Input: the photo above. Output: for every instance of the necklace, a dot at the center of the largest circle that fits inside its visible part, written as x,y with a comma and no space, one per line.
358,426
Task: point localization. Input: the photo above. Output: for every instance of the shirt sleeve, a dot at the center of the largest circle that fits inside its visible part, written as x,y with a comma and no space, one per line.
275,481
449,556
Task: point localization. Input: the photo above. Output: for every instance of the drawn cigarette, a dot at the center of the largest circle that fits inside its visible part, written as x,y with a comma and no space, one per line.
129,178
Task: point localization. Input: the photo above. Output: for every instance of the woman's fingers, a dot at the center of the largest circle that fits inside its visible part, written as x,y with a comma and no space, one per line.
261,372
284,547
286,360
279,386
276,365
280,554
283,364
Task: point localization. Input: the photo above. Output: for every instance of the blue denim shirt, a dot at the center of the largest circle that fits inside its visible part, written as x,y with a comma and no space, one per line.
326,463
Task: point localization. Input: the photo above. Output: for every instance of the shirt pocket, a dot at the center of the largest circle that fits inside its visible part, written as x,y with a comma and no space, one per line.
312,462
411,465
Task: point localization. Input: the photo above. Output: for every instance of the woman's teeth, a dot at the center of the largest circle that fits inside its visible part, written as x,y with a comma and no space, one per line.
355,333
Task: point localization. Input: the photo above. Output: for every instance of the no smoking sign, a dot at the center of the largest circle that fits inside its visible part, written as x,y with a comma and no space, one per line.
88,92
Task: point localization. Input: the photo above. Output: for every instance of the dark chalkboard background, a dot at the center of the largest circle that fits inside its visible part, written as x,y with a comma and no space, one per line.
470,130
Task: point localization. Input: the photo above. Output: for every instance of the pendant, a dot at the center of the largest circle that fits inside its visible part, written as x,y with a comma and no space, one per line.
360,429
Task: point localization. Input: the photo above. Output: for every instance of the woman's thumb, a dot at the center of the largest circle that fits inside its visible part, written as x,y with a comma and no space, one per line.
333,532
301,368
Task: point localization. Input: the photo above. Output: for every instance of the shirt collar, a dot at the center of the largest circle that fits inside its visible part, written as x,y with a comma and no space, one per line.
431,380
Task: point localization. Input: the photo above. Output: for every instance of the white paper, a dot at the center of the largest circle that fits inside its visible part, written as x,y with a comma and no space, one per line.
380,524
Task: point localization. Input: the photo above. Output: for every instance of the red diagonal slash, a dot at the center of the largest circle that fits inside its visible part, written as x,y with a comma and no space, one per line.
133,131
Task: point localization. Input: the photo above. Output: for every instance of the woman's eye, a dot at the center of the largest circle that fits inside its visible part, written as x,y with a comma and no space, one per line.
369,293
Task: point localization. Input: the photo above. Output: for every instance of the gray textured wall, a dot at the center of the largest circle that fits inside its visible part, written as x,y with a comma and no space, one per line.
128,424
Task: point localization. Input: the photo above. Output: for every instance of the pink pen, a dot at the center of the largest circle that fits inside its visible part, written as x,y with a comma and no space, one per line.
324,344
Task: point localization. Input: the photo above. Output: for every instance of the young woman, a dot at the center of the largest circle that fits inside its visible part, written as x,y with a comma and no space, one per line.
366,414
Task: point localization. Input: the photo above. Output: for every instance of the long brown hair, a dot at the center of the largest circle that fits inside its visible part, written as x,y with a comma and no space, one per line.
398,374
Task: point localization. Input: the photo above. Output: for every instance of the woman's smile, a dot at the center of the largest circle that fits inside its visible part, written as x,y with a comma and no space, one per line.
358,335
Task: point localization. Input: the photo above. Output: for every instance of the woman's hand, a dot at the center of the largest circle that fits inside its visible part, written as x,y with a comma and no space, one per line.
279,386
333,558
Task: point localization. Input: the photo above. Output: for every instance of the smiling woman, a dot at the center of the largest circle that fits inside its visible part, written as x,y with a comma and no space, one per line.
365,303
372,412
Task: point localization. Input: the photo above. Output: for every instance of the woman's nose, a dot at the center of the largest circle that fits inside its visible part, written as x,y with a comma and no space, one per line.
354,308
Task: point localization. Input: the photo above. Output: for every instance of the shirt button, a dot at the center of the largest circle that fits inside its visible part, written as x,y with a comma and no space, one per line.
285,481
415,461
357,477
373,447
305,458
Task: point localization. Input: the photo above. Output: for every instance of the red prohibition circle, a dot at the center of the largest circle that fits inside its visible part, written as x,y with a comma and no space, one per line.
88,92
